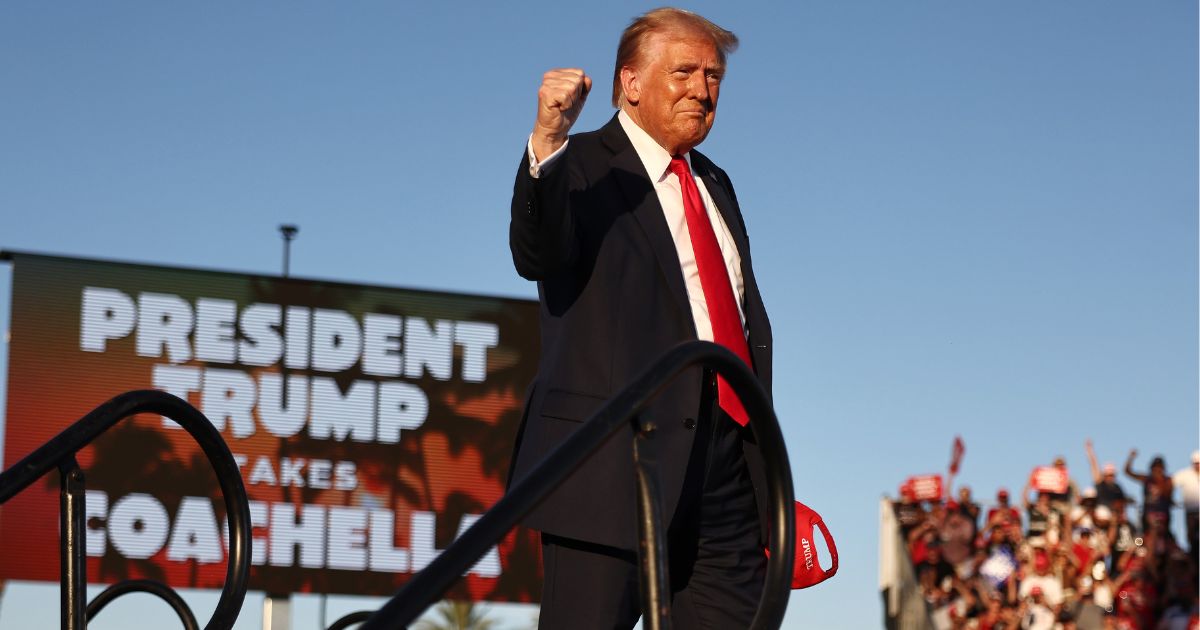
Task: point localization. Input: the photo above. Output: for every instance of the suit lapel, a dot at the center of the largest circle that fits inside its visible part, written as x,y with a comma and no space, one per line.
756,317
635,185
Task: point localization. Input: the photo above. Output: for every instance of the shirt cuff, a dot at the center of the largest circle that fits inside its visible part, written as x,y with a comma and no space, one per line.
537,168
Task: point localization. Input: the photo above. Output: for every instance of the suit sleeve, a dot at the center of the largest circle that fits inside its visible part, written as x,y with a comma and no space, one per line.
541,232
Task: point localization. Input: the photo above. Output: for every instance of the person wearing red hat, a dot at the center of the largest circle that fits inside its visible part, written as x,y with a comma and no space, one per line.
1037,613
1048,584
1003,511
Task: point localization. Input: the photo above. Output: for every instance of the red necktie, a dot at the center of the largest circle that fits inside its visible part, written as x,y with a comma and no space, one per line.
714,278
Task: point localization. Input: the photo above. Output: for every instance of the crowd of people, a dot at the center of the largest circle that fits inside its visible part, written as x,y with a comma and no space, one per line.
1048,560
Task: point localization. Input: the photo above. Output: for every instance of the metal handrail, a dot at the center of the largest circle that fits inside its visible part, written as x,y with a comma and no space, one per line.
428,585
60,452
162,591
350,620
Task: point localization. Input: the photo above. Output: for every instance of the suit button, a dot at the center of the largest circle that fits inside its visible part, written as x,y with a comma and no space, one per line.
689,423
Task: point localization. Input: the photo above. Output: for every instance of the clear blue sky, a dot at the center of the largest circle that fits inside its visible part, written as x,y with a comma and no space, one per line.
967,218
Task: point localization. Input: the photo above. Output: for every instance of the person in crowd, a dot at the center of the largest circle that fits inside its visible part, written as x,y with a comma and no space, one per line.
1085,612
1063,566
958,531
909,513
1043,520
967,507
1061,501
1048,584
992,617
1003,511
1101,520
934,562
1036,613
1101,586
1004,536
1081,514
925,535
1179,590
1136,590
1123,534
1156,493
1085,550
1107,488
1188,482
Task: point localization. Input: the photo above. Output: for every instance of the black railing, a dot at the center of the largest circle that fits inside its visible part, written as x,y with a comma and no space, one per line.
429,585
60,452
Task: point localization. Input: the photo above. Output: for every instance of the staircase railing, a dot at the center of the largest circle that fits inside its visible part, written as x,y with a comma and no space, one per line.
60,452
429,585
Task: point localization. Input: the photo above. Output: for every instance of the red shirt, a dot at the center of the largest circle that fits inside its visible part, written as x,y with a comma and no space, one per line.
1084,554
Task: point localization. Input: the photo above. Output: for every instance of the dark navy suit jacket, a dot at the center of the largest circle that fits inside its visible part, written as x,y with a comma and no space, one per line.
592,233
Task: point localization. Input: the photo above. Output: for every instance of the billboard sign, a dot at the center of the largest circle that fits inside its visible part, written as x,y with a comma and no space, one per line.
371,425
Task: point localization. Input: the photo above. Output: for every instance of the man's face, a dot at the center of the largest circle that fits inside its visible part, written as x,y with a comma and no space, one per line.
674,88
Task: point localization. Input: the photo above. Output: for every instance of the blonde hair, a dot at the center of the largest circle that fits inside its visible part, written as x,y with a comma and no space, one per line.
665,19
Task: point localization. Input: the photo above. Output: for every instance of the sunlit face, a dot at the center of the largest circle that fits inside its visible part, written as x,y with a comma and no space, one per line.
672,89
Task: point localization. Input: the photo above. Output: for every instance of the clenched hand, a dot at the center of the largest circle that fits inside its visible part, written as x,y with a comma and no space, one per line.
560,99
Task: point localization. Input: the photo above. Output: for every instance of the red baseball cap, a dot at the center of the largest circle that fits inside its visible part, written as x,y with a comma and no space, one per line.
807,570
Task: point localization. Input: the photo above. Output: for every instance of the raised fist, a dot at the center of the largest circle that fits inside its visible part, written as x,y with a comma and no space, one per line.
560,99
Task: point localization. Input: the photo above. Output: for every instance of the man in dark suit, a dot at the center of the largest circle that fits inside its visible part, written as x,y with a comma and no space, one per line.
637,244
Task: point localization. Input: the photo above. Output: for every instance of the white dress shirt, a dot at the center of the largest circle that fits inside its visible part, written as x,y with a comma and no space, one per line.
656,160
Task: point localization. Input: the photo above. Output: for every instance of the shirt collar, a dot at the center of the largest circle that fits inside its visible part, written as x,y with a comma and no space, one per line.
653,156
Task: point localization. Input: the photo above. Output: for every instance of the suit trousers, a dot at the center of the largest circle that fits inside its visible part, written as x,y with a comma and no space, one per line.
716,561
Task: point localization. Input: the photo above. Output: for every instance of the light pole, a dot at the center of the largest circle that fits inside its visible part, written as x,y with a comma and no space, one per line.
277,608
289,232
